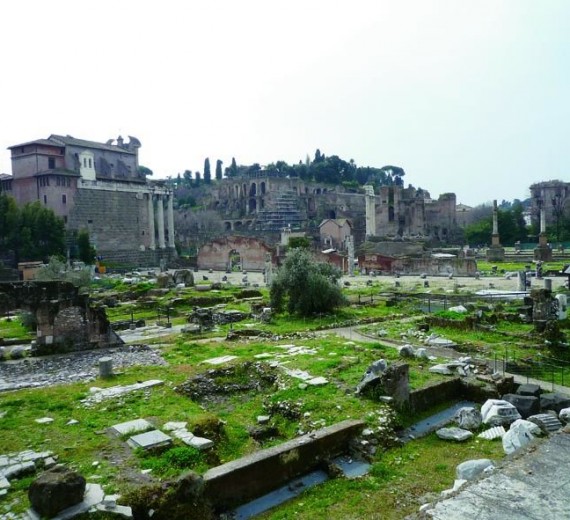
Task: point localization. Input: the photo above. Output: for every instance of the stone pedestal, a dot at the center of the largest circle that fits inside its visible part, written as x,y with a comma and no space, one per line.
495,253
106,367
543,251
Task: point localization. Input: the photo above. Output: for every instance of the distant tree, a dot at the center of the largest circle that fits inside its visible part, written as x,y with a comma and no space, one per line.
197,179
187,178
207,172
254,168
42,233
178,181
232,170
305,287
511,224
319,157
56,269
144,171
85,251
219,170
9,217
296,242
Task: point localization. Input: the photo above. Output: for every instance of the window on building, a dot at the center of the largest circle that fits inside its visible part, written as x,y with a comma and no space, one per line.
65,219
90,163
51,163
45,199
64,198
89,221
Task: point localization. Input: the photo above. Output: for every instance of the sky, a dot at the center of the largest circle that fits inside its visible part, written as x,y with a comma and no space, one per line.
468,96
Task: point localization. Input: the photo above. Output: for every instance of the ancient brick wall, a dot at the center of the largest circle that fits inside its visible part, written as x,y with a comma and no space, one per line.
116,221
216,254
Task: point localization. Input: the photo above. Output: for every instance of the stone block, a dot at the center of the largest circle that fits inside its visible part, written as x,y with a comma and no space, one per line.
526,405
150,440
529,389
130,427
556,402
200,443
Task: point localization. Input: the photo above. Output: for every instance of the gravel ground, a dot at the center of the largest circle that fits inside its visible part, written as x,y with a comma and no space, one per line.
36,372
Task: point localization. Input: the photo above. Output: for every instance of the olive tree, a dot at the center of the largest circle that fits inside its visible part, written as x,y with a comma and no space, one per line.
305,287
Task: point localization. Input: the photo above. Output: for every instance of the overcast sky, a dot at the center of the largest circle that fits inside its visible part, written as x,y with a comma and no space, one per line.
471,97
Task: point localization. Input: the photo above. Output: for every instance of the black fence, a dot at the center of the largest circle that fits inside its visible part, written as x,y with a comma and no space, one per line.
547,369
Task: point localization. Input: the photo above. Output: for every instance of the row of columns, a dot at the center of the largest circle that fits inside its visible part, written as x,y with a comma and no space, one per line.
160,220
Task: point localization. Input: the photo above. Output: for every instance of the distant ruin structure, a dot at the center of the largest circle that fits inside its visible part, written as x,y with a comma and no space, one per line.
65,319
264,204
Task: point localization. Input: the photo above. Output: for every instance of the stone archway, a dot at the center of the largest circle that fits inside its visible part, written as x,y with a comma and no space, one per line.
234,260
216,254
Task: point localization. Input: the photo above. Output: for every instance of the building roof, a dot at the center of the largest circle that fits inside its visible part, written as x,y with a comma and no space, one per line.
5,177
340,222
44,142
72,141
68,140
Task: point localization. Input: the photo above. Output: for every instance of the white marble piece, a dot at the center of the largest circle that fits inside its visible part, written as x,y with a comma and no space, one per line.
219,360
149,440
129,427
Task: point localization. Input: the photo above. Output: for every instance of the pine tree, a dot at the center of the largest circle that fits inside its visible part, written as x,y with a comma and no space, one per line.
219,170
207,173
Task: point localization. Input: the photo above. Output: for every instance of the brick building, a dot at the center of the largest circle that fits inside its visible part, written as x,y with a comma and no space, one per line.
97,187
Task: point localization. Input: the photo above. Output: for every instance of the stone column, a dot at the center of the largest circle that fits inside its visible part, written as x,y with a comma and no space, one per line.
151,230
370,211
495,219
350,247
170,220
161,243
542,220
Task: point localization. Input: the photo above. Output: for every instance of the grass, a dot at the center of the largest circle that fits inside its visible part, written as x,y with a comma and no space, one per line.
14,328
400,481
400,477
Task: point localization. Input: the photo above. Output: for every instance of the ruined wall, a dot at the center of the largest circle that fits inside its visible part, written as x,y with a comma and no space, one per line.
216,254
436,266
65,320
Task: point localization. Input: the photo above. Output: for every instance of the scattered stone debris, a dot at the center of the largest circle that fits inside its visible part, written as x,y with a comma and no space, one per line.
16,465
454,434
497,412
180,431
305,376
437,341
216,384
468,418
44,420
101,394
520,434
471,469
219,360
